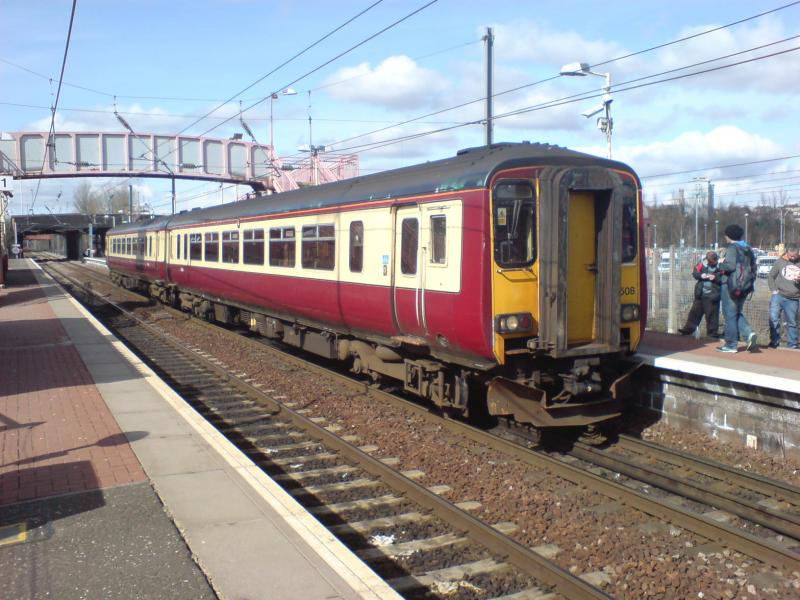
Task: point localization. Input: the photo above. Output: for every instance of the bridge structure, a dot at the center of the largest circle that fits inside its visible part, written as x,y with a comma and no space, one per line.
39,155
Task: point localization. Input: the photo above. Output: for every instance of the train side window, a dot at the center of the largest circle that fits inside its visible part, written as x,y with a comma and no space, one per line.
357,246
185,242
195,246
630,232
230,246
408,247
253,247
438,239
128,246
149,246
178,246
282,246
319,247
514,225
212,247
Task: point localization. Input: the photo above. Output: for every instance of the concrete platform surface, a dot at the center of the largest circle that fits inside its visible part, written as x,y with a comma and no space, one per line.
93,421
117,543
775,368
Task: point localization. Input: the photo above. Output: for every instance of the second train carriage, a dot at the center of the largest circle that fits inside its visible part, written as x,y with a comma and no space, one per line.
511,275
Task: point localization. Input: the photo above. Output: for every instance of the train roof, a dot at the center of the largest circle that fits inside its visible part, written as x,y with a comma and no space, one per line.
470,168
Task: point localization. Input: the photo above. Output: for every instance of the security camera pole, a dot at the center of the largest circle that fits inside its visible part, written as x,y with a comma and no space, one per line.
605,123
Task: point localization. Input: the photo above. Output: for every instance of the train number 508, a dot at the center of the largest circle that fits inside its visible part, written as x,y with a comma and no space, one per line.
627,291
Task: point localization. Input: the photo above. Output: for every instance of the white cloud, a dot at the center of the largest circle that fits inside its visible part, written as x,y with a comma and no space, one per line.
722,145
776,74
396,83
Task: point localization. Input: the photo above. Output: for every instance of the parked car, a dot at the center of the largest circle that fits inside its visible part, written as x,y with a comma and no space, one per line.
764,265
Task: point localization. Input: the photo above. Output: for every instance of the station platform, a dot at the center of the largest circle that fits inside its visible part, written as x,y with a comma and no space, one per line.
773,368
112,487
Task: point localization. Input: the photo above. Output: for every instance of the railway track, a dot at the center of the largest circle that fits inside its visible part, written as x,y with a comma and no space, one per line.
421,543
691,493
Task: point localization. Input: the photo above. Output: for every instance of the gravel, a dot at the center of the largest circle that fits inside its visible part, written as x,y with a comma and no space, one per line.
637,556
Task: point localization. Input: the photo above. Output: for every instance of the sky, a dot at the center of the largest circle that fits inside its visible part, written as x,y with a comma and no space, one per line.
164,64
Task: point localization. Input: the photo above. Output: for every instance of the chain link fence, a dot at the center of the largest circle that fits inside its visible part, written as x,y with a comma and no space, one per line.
671,293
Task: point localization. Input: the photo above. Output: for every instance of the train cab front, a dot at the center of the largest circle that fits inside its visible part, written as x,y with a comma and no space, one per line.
566,290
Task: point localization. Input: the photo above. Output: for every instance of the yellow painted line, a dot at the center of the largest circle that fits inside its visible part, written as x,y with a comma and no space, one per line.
14,534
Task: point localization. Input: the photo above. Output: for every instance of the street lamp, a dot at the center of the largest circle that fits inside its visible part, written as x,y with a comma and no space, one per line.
746,237
705,235
605,123
716,234
274,96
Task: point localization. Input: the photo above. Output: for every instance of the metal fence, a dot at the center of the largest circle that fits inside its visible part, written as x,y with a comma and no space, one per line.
671,293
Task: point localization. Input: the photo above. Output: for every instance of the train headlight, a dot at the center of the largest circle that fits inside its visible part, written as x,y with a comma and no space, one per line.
629,313
516,323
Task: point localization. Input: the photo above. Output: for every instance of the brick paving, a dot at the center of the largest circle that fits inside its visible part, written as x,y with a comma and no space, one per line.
56,433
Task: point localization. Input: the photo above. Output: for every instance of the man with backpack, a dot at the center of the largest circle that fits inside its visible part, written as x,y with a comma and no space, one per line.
739,276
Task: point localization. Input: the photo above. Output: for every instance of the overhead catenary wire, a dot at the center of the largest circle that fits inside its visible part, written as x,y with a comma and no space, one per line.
283,64
51,134
567,100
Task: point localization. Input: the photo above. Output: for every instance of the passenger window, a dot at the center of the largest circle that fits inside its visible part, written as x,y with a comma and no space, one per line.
438,239
408,247
195,246
319,247
282,247
356,246
185,242
149,246
253,247
230,246
178,246
514,225
629,230
212,247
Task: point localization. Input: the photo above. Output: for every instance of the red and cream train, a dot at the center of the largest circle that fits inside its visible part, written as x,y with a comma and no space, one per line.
507,279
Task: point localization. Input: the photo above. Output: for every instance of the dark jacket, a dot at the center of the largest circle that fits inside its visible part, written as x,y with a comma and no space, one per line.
778,283
710,287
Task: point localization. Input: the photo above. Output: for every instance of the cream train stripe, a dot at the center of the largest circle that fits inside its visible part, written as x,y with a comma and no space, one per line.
352,570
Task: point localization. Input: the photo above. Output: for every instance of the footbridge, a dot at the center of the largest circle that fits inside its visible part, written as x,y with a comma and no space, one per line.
38,155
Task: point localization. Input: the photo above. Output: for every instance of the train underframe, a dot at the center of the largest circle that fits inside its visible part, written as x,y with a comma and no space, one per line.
535,391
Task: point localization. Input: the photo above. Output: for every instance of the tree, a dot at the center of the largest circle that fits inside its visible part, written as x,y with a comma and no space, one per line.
86,200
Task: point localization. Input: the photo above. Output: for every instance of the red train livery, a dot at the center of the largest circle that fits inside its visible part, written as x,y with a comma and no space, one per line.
506,279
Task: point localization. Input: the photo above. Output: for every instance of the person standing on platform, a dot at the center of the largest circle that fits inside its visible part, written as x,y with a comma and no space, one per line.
706,297
784,283
739,274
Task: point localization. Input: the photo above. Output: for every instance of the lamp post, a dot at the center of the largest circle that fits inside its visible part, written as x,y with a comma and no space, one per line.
274,96
746,237
705,235
605,123
716,234
655,232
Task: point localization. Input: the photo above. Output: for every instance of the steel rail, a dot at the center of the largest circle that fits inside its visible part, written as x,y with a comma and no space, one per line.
525,559
784,523
760,549
752,481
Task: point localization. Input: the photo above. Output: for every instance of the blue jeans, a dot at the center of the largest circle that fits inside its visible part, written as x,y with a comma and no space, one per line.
789,306
735,322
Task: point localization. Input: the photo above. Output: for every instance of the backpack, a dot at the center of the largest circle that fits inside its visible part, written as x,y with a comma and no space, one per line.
741,280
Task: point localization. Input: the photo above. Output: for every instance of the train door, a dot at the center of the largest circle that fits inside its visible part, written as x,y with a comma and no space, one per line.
408,287
581,268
